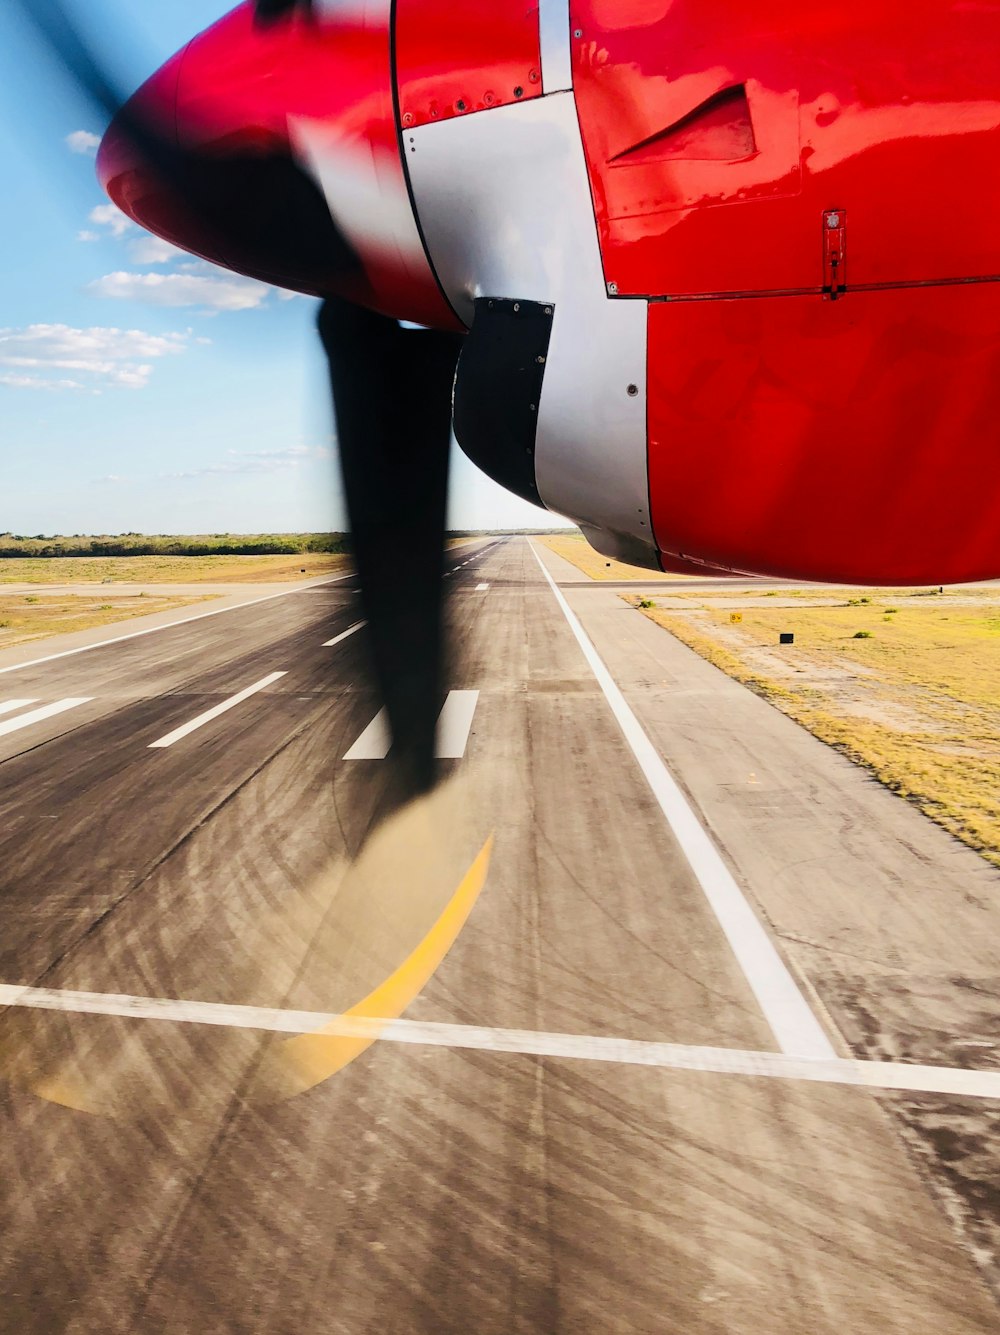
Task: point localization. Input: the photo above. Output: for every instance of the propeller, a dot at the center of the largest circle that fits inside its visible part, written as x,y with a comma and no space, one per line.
392,387
271,11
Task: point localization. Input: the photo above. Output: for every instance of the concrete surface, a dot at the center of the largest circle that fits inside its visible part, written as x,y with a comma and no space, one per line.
436,1189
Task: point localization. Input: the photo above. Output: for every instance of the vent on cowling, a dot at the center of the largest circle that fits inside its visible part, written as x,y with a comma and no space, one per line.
720,130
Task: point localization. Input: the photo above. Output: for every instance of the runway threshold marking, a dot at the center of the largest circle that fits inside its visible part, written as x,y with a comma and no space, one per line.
328,644
796,1029
453,728
210,714
902,1076
374,742
44,712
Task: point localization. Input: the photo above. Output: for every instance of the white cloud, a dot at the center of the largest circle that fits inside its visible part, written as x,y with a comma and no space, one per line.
87,236
258,461
82,141
108,479
149,249
110,216
229,293
107,357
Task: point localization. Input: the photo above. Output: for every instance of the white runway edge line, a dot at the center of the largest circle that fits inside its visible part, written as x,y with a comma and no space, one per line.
453,727
519,1042
39,715
328,644
169,625
796,1029
210,714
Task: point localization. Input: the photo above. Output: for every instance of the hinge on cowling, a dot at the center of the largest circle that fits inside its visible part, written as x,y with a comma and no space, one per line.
835,252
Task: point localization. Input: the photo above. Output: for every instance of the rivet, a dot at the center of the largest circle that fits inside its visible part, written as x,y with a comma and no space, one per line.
488,99
460,105
613,289
517,305
534,76
408,118
548,310
632,391
518,91
577,32
540,361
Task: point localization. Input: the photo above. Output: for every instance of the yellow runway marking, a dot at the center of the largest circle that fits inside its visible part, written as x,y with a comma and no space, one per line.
302,1062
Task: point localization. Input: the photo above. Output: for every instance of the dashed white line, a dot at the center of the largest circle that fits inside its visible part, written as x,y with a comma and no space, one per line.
374,742
455,724
8,706
328,644
911,1078
210,714
797,1030
39,715
481,588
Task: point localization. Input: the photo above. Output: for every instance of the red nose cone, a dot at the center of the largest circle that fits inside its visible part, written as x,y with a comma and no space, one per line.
236,150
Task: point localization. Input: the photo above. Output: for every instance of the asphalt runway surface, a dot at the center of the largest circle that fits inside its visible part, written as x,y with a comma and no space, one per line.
712,1047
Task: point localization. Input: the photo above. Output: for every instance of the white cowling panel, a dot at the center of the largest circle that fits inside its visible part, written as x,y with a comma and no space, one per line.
505,208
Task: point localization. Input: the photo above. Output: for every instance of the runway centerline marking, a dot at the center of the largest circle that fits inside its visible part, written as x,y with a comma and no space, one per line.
9,706
39,715
453,727
796,1029
328,644
214,712
903,1076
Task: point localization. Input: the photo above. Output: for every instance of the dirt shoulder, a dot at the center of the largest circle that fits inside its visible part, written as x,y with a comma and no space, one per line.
903,682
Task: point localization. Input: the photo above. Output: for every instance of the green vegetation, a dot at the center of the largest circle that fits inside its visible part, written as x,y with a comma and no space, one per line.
13,546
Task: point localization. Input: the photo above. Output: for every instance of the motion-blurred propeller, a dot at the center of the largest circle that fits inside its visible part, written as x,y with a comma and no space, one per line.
391,387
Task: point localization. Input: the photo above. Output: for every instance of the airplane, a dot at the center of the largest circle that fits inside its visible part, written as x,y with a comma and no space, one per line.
719,282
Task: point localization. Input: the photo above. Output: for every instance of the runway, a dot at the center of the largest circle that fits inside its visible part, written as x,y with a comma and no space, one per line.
715,1049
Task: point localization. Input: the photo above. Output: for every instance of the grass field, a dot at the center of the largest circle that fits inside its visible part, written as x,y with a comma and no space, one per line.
575,548
168,569
904,683
33,617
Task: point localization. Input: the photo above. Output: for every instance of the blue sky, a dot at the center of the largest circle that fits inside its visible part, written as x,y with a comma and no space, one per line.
139,390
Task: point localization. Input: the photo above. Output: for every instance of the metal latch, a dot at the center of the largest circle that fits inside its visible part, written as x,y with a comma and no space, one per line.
835,252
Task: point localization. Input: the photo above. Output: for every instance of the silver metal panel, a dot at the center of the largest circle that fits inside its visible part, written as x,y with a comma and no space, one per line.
505,207
557,55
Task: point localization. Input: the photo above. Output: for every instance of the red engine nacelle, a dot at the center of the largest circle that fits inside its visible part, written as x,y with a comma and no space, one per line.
732,277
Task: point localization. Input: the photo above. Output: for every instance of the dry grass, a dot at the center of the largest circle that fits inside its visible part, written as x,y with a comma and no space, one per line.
917,701
33,617
169,569
575,548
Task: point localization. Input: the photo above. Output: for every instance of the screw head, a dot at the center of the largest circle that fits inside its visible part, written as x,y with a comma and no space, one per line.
518,91
534,76
408,118
489,99
833,220
460,105
632,391
577,32
612,289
